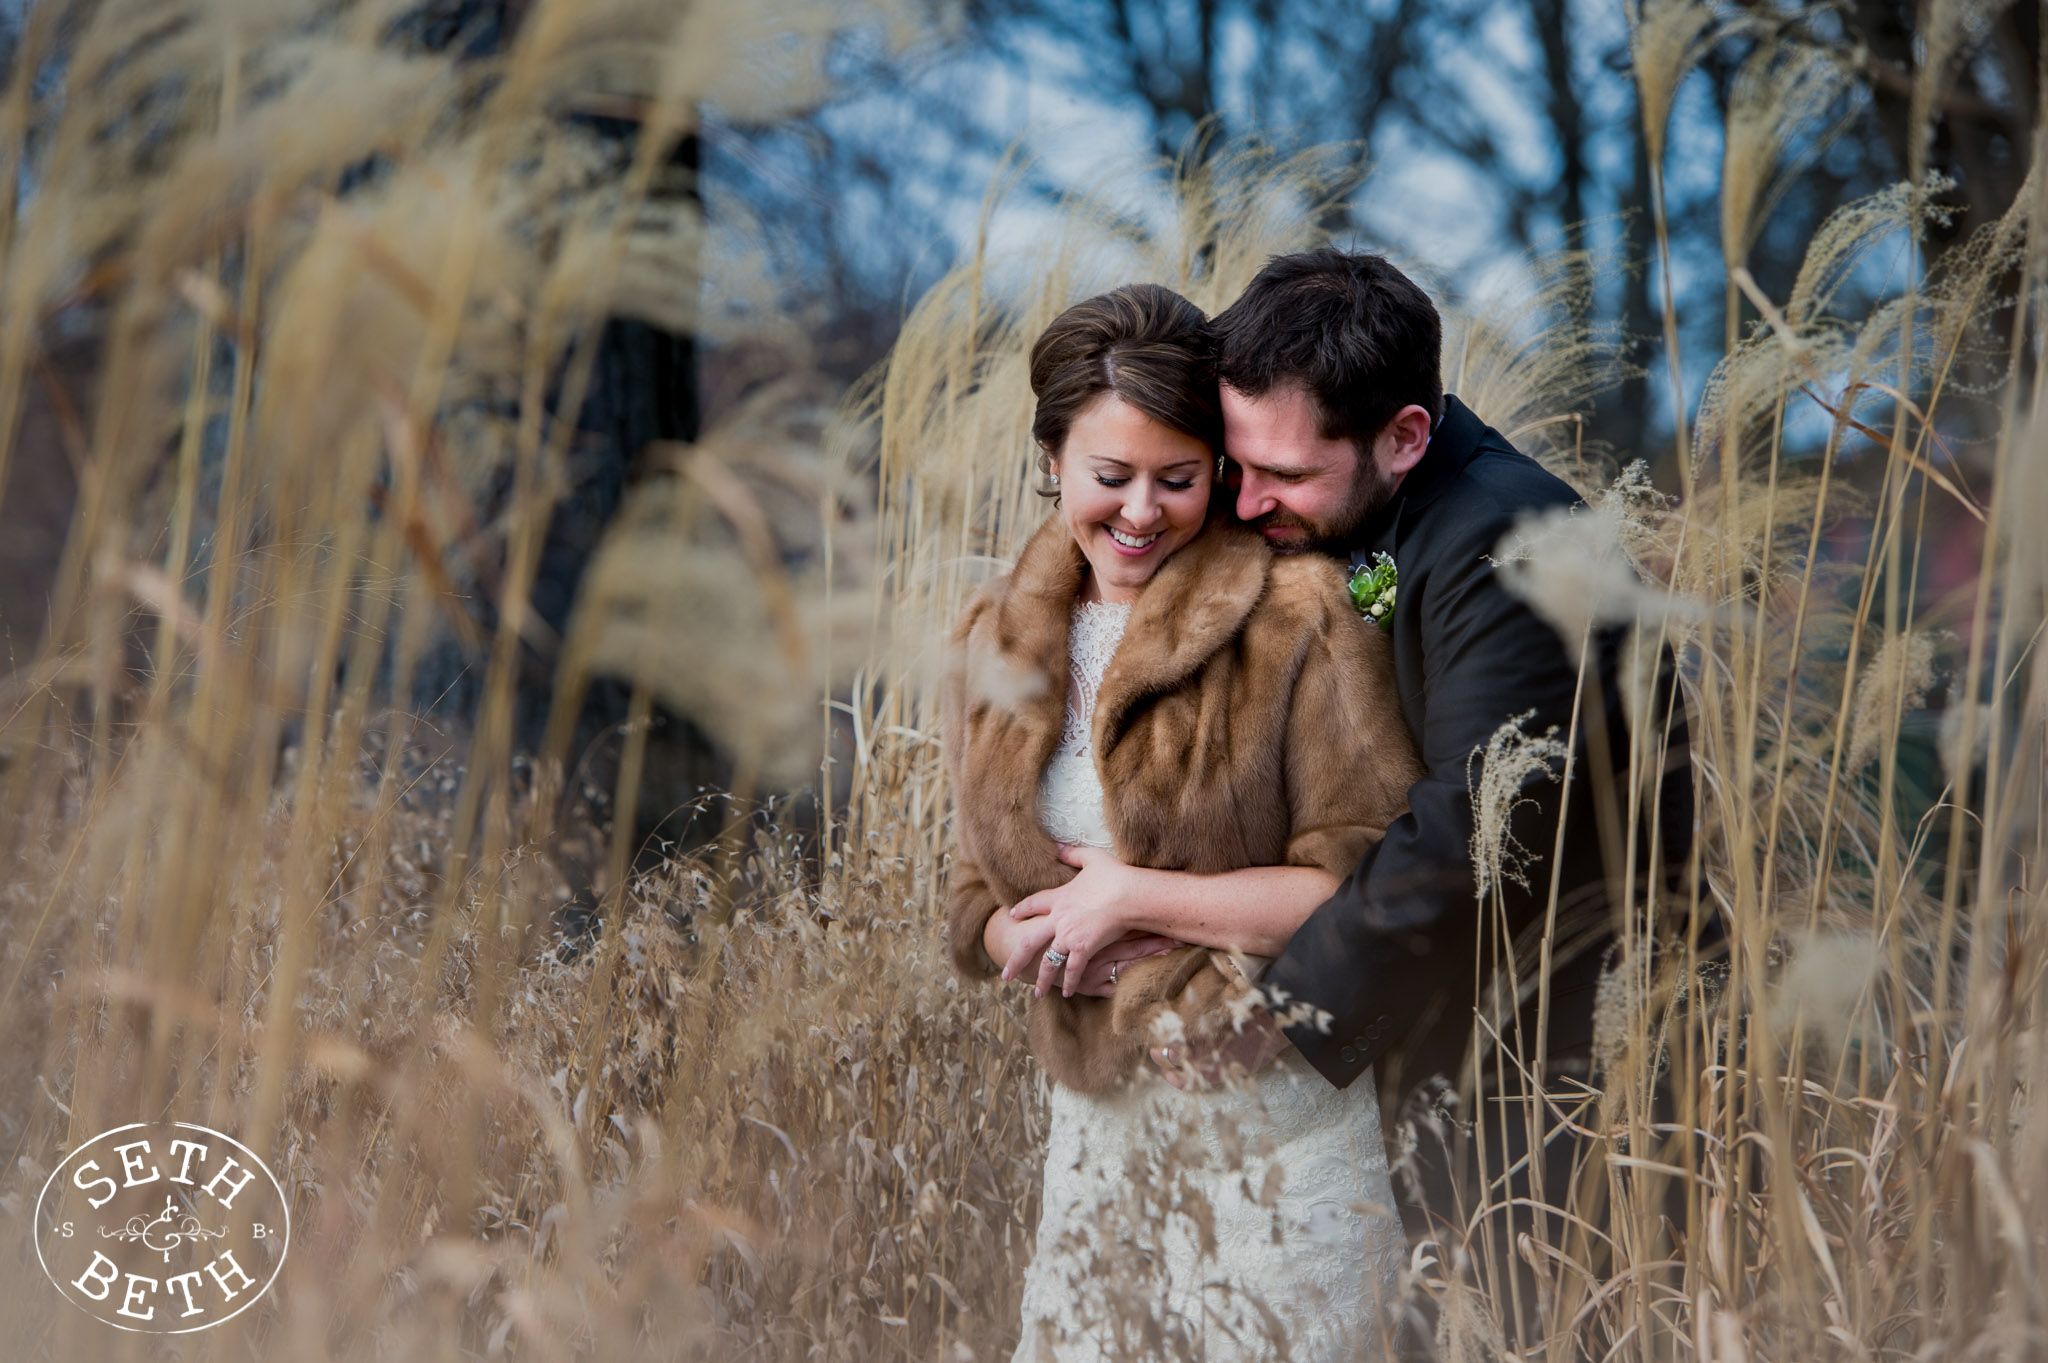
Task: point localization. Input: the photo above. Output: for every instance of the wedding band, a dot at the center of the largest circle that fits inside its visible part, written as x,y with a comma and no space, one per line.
1055,958
1112,970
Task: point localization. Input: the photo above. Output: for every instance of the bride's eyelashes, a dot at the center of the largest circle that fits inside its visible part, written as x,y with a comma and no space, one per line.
1171,484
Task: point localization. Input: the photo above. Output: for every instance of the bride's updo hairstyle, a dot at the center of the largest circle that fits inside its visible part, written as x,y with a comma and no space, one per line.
1142,342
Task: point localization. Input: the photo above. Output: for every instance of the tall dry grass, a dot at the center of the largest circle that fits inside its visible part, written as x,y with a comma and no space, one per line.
753,1116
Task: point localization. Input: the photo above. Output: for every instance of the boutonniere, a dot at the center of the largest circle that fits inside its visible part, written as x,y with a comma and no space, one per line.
1372,589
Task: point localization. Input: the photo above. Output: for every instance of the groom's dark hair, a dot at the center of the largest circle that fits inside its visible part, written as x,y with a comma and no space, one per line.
1354,331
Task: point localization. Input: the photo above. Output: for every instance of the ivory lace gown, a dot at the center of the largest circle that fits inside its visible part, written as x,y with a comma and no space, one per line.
1200,1226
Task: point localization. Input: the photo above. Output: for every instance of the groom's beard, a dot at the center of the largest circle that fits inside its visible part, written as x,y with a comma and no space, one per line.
1288,533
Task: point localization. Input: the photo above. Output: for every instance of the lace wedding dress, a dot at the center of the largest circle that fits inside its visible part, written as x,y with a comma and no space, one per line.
1247,1223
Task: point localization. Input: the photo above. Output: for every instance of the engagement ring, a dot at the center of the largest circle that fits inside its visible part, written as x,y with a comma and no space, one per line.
1055,958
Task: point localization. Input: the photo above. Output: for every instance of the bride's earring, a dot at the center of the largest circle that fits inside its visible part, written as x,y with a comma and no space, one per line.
1055,476
1219,466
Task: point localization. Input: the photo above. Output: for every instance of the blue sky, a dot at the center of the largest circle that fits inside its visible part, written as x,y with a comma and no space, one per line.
1430,208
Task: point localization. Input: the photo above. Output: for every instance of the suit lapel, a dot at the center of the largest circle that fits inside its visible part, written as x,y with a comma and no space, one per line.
1452,446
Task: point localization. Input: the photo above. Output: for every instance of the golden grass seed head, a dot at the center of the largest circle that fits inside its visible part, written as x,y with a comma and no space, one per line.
1780,103
1896,679
1510,762
1666,39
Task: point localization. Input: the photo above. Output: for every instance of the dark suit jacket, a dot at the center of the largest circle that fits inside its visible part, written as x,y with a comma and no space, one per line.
1391,956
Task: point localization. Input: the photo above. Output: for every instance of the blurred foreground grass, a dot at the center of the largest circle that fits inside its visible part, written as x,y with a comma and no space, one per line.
752,1116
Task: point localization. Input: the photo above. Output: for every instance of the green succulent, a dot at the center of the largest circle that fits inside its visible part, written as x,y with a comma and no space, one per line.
1372,589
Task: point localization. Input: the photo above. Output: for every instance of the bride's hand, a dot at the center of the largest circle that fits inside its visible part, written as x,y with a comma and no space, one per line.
1098,979
1021,948
1015,946
1087,914
1106,886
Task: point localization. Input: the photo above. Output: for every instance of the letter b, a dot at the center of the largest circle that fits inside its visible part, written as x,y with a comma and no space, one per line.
92,1274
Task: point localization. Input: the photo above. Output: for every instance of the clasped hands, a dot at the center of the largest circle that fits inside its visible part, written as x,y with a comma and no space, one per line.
1087,922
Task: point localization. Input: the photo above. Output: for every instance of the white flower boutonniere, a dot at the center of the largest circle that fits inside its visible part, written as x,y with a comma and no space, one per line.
1372,589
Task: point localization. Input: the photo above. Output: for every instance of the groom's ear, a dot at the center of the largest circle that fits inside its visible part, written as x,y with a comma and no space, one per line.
1400,444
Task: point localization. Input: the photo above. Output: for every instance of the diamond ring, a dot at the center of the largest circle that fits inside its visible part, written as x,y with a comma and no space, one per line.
1055,958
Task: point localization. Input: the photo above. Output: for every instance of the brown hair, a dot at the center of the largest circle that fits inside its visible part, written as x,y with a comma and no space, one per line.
1352,329
1142,342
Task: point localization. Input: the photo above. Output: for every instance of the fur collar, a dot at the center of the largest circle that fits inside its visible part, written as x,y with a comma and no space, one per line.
1016,662
1194,605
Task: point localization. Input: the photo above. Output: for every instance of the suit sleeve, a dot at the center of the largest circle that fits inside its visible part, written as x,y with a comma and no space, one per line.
1350,759
1393,949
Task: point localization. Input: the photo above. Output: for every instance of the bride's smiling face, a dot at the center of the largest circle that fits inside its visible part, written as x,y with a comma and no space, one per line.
1132,491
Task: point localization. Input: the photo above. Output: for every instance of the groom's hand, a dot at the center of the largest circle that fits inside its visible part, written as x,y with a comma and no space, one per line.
1099,980
1200,1064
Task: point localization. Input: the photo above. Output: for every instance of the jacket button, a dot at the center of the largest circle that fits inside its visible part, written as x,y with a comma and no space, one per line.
1348,1056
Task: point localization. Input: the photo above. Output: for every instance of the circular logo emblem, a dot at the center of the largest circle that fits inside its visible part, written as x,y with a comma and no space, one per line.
162,1227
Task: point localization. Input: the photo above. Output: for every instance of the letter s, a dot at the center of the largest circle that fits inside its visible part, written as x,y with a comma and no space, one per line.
78,1181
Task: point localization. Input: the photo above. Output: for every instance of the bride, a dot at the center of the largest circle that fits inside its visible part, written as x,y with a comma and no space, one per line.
1150,686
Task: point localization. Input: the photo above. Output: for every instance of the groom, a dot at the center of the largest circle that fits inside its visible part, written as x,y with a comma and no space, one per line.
1335,415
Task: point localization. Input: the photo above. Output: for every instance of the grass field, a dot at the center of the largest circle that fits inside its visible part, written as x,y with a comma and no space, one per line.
755,1117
